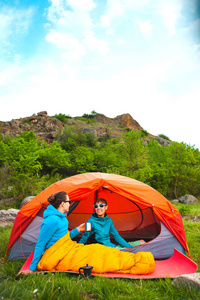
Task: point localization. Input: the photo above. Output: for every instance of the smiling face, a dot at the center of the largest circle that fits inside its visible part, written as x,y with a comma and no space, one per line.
100,209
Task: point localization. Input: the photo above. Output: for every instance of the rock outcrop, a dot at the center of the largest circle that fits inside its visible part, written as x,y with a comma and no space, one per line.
7,217
128,122
47,128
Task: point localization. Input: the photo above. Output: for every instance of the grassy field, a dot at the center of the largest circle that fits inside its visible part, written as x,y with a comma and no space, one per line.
68,286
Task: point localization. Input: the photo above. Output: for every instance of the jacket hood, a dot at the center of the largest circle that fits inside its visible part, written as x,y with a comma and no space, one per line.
52,211
94,216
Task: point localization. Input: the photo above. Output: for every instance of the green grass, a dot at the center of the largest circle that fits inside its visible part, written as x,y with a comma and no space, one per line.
69,286
190,210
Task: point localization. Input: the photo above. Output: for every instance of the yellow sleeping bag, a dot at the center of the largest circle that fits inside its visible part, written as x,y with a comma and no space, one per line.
68,255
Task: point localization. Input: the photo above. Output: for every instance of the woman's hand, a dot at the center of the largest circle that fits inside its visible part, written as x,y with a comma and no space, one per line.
81,227
27,272
142,242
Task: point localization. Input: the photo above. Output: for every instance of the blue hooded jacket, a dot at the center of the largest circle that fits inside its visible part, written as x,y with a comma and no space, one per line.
54,227
101,227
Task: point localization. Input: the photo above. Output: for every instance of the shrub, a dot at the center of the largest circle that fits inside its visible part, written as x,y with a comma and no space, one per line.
90,121
144,132
163,136
61,117
91,115
184,210
127,129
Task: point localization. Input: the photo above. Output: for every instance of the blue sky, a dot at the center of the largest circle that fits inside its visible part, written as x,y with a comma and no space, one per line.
140,57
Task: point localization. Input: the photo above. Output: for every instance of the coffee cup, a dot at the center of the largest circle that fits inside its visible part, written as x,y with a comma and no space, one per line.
88,226
86,270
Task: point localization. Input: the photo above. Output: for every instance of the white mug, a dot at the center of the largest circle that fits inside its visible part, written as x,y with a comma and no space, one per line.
87,226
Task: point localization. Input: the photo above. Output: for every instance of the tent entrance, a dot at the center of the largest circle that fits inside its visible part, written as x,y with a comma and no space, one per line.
132,225
133,221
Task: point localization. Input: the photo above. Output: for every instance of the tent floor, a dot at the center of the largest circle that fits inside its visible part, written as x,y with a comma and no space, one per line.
177,265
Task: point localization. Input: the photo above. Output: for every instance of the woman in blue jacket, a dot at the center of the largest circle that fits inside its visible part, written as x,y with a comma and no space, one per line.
54,227
102,225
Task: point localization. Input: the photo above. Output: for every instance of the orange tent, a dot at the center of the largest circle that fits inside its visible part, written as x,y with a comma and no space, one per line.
137,210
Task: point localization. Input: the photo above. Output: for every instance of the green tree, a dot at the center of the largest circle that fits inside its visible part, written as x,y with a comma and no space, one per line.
158,160
184,165
176,169
106,158
70,140
82,160
20,155
54,159
133,156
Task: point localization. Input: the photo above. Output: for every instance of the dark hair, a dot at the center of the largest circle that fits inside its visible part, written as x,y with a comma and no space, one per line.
100,200
57,199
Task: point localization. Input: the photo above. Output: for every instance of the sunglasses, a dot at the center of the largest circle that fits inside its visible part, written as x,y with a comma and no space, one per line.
67,201
99,205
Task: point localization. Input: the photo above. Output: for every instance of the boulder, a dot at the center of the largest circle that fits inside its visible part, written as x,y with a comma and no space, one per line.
25,126
25,200
188,280
162,141
33,118
7,217
175,201
89,130
15,123
103,131
126,120
42,113
188,199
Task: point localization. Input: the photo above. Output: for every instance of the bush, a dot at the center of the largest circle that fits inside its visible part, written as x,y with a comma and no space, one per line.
90,121
163,136
184,210
61,117
144,132
127,129
91,115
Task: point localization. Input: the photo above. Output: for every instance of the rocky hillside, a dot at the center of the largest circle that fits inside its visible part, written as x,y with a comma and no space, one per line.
47,127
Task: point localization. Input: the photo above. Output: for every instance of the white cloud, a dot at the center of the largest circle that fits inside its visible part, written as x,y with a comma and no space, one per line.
14,22
170,13
93,43
82,5
146,27
114,9
72,48
93,68
120,42
71,13
4,76
110,31
197,48
73,28
121,8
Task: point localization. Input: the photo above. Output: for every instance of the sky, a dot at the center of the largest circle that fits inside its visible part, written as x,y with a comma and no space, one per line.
113,57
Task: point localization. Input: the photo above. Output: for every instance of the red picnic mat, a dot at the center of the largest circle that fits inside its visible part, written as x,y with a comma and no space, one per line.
178,264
